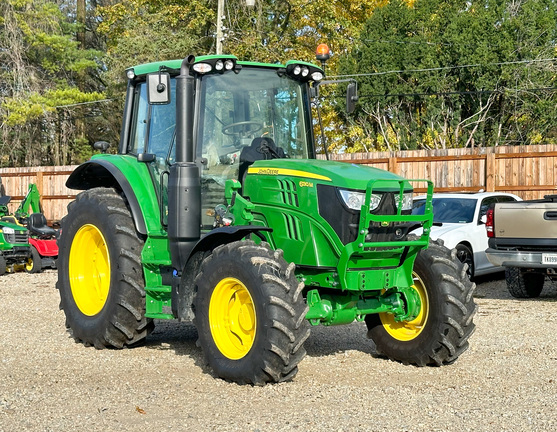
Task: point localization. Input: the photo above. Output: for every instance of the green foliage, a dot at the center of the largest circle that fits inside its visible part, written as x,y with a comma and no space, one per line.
49,69
44,69
433,102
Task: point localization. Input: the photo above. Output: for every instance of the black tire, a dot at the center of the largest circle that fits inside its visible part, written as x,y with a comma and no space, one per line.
270,343
523,284
34,262
117,318
441,335
466,256
2,265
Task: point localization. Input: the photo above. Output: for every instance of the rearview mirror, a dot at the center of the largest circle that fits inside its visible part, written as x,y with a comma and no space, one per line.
158,88
351,97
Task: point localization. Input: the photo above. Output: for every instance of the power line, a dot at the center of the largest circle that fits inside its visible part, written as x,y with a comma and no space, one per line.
386,95
399,42
444,68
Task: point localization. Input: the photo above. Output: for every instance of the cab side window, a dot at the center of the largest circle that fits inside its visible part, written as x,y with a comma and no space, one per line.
139,121
162,127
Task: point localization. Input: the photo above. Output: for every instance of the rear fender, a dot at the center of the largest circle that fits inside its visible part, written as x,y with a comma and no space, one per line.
136,183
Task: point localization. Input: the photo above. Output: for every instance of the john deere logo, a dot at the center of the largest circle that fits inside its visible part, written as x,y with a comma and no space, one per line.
384,224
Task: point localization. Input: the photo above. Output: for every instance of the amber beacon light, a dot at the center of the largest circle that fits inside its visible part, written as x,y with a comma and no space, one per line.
323,53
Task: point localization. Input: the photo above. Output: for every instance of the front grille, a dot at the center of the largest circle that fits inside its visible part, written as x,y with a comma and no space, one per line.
17,237
343,220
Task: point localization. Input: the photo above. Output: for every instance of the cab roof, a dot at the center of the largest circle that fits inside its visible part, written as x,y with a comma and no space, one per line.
175,64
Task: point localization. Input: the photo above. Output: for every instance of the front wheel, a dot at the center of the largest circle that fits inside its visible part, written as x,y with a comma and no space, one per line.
440,332
250,314
524,284
100,277
34,262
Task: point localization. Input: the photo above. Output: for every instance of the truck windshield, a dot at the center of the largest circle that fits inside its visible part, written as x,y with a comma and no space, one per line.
239,109
448,210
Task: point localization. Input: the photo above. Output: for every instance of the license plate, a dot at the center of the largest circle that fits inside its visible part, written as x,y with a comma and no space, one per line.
549,258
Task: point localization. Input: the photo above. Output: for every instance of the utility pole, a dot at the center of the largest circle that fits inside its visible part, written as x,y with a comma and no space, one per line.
220,13
220,18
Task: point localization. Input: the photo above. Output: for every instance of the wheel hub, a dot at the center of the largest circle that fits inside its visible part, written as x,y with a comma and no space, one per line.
406,330
89,270
232,318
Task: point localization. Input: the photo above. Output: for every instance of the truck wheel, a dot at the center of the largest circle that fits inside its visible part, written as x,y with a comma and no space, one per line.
440,332
100,277
33,263
466,256
250,314
523,284
2,265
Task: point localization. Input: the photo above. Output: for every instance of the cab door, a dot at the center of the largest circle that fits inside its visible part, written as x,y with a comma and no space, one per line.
152,139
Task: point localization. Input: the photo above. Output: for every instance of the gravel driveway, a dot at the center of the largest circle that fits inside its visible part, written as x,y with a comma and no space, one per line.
506,381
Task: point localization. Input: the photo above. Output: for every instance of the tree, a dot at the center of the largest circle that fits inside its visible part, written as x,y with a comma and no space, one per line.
42,62
466,73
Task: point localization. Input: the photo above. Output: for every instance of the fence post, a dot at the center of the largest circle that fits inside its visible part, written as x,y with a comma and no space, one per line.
39,182
490,172
393,165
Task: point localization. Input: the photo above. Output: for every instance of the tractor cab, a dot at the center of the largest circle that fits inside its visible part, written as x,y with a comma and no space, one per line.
241,112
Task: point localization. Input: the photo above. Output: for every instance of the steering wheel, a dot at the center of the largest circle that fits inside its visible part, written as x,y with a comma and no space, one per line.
249,127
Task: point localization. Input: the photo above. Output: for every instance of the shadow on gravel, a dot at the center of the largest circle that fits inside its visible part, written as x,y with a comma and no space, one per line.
323,341
326,341
177,336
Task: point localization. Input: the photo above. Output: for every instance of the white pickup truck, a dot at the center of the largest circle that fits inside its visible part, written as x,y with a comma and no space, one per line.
523,239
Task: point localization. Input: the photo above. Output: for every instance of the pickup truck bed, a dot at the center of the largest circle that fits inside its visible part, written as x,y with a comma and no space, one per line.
523,239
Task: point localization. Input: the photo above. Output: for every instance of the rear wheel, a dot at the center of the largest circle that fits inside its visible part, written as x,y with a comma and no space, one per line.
100,277
523,284
34,262
440,332
250,314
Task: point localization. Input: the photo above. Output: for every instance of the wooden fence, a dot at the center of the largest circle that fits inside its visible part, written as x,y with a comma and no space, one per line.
51,183
528,171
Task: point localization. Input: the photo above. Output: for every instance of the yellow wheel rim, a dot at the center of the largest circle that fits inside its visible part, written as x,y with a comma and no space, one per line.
89,270
408,330
232,318
29,264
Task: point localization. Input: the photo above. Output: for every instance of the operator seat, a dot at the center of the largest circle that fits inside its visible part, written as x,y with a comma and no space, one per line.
261,148
37,226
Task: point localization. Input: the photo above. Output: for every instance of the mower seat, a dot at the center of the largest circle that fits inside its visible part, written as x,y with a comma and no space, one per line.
37,226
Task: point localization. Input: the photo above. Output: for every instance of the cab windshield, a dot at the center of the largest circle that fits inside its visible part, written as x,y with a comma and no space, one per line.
239,109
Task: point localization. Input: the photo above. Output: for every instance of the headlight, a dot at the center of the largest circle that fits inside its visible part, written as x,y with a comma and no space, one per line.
407,200
8,230
202,68
355,200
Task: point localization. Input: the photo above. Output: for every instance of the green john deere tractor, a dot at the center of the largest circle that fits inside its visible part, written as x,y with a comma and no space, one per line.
216,210
15,250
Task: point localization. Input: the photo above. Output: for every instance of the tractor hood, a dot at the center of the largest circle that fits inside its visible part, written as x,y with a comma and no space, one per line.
339,174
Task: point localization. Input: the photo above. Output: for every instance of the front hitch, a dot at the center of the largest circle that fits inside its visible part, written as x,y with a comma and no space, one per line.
403,303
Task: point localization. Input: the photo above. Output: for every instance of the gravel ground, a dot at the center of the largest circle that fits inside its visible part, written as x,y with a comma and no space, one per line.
506,381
